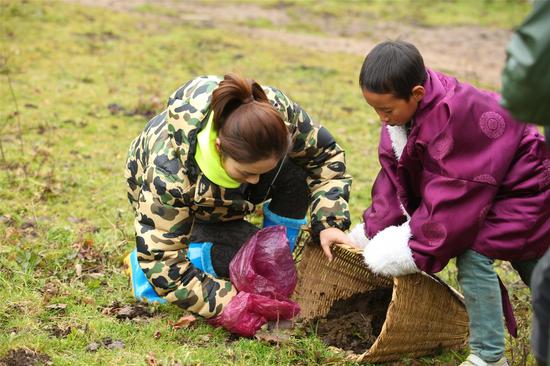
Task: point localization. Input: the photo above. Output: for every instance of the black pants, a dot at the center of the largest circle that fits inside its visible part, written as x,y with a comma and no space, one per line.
289,196
540,296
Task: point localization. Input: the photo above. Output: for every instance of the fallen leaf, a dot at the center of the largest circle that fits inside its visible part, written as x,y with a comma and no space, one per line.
204,338
151,360
88,300
184,322
157,334
78,269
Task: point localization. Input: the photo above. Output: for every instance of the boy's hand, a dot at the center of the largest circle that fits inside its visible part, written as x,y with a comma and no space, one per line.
331,236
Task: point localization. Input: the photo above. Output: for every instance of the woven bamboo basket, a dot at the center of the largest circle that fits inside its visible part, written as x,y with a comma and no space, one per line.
424,316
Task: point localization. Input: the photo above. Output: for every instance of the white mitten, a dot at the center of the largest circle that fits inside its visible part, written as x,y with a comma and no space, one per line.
357,236
389,254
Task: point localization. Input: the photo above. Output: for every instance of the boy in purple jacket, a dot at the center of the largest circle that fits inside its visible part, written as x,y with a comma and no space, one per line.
460,178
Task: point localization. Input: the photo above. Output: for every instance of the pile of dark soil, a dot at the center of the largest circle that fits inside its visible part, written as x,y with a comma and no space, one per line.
128,311
355,323
25,356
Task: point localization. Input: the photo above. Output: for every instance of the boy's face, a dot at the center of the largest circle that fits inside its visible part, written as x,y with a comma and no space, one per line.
392,110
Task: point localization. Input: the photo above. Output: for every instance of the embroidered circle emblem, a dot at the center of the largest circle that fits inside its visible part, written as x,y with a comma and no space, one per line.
492,124
485,178
441,146
434,232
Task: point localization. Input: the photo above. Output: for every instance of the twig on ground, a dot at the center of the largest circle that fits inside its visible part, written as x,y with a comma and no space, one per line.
17,113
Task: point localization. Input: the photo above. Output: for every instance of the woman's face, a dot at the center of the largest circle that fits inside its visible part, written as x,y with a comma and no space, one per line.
248,172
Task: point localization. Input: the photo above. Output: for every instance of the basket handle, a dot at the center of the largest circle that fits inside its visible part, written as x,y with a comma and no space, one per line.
305,234
350,248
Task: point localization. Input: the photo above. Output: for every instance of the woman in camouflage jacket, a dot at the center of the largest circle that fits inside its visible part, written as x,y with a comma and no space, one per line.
170,192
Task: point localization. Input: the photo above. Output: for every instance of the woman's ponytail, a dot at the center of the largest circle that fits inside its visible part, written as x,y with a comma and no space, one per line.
249,127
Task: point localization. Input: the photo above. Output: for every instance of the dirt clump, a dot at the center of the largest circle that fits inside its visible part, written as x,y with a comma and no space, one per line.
128,311
355,323
25,356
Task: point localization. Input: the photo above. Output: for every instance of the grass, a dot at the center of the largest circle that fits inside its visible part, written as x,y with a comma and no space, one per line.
485,13
77,83
356,18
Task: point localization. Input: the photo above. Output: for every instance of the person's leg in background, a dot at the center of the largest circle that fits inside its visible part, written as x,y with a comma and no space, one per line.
540,297
480,285
525,270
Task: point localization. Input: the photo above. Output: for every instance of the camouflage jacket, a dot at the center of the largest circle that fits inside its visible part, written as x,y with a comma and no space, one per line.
168,191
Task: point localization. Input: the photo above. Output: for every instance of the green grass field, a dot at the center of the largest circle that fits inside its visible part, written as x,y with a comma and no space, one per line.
77,84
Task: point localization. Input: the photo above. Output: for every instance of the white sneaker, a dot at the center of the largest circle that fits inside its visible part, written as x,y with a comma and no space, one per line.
474,360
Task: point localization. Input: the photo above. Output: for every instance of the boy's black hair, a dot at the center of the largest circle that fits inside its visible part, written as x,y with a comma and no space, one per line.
394,67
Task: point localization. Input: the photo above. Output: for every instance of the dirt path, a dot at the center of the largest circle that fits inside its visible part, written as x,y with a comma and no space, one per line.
474,54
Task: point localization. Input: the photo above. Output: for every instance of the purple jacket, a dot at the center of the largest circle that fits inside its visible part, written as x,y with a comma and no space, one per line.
468,175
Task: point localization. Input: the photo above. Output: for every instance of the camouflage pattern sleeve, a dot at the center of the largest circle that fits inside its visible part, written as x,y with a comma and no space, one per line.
314,148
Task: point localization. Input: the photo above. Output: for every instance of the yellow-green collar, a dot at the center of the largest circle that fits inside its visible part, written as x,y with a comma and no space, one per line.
208,158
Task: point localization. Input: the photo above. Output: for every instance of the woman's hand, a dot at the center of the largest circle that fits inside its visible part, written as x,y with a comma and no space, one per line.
331,236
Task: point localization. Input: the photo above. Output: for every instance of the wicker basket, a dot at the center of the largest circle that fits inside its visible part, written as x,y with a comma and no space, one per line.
424,316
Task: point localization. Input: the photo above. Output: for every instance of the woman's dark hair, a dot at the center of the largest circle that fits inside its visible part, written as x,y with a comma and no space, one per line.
394,67
249,127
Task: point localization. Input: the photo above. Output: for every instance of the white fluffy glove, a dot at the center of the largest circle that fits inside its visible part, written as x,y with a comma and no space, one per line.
389,254
357,236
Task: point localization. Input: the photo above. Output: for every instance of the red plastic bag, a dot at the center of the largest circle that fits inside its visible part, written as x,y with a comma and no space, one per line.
264,273
264,265
246,313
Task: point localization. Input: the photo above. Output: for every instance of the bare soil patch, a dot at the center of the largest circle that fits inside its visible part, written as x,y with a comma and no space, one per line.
474,54
128,311
25,356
